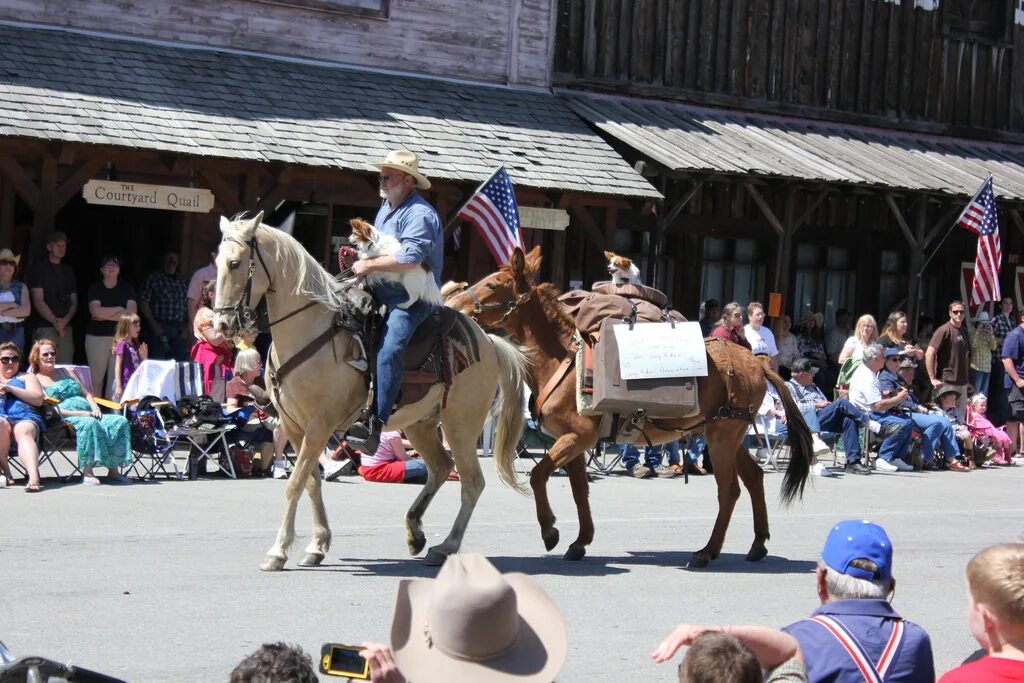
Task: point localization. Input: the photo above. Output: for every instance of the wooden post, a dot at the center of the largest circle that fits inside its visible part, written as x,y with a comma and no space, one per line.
46,210
916,259
7,200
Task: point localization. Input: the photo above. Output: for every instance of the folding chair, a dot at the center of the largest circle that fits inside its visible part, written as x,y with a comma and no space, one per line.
151,440
601,461
534,443
58,435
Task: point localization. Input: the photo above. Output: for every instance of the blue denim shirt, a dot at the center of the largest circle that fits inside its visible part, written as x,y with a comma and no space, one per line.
416,225
870,622
890,383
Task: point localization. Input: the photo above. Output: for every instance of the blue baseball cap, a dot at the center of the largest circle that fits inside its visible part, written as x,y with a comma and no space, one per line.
858,539
889,353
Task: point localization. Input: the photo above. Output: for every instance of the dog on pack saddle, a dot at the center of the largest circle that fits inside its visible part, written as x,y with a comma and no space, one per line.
622,270
418,282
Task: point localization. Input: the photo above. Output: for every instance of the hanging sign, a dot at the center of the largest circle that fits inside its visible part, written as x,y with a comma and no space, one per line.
142,196
543,219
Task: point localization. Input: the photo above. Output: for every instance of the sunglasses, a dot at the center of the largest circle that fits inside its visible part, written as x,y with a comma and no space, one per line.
48,354
7,360
956,312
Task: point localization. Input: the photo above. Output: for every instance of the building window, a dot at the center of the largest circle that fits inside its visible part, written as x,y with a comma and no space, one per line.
377,9
733,270
892,286
984,20
825,282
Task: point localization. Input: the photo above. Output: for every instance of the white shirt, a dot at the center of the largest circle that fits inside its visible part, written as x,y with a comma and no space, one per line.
864,389
761,341
834,341
8,298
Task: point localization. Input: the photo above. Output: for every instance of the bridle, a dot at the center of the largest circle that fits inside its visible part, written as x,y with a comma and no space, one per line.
245,316
510,306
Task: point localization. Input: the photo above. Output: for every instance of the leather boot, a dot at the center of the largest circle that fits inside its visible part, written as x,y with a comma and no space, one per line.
365,435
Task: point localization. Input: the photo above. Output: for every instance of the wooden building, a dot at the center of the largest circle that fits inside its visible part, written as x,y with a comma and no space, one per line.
259,104
817,149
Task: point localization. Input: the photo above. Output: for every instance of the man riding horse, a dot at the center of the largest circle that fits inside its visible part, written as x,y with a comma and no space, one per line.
411,220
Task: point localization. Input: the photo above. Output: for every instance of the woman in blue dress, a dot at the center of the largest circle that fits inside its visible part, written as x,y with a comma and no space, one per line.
103,440
19,418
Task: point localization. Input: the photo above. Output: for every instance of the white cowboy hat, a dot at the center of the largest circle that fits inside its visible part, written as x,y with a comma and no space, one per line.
473,623
981,319
407,162
8,255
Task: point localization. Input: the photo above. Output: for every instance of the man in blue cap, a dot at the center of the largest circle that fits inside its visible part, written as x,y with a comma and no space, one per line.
856,635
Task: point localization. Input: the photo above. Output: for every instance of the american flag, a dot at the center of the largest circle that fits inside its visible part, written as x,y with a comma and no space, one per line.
980,217
494,212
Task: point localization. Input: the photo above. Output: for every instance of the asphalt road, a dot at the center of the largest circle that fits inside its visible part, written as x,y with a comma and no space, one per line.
159,581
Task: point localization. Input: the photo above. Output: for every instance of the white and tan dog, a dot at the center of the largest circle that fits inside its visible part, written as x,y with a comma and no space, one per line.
622,270
418,282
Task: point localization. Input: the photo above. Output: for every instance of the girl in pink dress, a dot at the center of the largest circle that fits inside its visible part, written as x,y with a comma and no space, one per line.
128,351
986,432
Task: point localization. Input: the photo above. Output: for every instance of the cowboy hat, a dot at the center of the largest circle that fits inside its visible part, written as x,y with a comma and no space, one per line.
819,319
473,623
944,390
405,161
983,318
8,255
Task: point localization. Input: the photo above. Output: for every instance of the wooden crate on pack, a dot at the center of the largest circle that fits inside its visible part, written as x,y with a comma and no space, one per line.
658,397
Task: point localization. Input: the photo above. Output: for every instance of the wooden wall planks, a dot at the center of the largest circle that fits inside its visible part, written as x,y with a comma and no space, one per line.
454,38
860,57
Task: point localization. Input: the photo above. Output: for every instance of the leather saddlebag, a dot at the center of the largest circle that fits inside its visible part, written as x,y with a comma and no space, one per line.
664,397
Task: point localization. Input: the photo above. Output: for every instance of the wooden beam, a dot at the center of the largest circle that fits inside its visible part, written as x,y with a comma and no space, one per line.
810,210
1017,220
250,190
46,209
7,199
939,225
21,180
76,179
765,209
901,221
671,216
278,192
590,226
226,196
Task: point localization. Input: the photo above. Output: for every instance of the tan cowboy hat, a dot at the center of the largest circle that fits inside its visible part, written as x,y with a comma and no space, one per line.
8,255
407,162
473,623
819,319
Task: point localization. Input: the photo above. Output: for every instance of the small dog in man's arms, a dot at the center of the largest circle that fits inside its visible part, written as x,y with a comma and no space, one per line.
418,282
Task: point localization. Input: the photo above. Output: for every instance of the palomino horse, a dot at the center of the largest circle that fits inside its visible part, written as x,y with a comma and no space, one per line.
324,392
533,317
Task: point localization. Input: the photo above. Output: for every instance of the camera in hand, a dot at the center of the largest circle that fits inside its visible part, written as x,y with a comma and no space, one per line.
344,661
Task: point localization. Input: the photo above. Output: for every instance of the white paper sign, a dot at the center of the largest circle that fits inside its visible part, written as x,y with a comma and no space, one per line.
656,350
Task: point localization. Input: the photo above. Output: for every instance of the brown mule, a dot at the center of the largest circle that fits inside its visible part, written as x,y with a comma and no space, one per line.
533,318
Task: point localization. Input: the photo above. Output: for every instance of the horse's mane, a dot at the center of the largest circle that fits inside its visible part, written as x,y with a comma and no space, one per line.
547,295
311,279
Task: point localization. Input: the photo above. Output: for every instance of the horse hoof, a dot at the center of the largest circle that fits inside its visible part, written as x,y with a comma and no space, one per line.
698,561
312,560
575,553
416,545
550,538
757,553
435,558
272,563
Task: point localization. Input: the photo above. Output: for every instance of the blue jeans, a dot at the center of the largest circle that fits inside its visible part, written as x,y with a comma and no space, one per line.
631,456
936,430
399,326
415,471
897,445
840,417
979,380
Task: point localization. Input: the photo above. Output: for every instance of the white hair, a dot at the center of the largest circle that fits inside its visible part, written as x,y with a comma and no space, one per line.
844,587
246,361
978,398
872,352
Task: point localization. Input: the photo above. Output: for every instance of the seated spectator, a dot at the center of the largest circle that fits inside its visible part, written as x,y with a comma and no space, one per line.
275,663
212,350
100,439
838,417
711,311
789,347
856,632
995,615
471,624
947,397
837,337
730,326
936,431
19,417
811,347
733,653
866,332
261,428
986,434
866,394
392,463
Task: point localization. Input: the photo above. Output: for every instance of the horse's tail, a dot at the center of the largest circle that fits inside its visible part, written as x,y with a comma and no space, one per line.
512,377
800,447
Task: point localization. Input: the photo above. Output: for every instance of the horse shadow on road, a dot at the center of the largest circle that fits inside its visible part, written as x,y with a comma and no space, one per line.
595,565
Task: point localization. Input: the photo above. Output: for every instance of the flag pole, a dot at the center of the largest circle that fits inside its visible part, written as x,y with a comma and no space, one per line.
451,221
950,231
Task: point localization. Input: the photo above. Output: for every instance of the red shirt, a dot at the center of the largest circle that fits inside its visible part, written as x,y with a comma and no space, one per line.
733,335
986,669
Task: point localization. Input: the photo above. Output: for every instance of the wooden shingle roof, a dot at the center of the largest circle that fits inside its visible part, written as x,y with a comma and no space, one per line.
688,139
58,85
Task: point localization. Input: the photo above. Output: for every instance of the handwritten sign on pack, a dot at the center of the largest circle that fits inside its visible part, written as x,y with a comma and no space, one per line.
655,350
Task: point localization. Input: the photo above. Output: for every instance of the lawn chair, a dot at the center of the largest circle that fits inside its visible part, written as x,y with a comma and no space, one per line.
152,443
534,443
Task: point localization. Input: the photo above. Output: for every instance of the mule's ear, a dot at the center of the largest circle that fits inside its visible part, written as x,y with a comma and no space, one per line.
533,261
517,262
